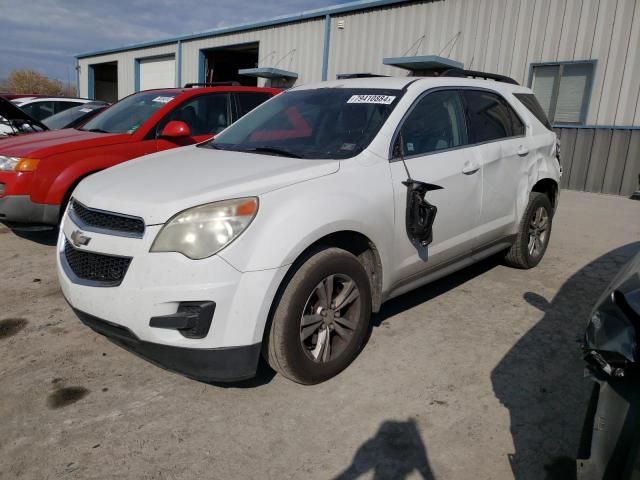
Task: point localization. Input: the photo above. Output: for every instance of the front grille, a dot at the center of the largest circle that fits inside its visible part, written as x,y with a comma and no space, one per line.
99,219
106,270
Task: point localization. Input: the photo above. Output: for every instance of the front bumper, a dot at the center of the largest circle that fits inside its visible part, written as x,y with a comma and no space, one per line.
156,285
206,365
21,209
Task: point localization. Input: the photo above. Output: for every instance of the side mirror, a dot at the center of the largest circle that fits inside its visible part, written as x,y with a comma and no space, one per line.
176,129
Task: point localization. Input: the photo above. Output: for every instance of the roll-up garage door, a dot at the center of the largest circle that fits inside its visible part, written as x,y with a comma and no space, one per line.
158,73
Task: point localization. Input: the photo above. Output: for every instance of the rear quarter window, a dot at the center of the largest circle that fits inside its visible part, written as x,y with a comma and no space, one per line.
530,101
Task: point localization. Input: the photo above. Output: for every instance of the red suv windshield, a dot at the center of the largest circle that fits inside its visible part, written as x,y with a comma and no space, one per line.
129,114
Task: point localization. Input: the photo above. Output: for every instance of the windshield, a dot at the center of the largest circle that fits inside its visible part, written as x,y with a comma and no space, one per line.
63,119
321,123
129,114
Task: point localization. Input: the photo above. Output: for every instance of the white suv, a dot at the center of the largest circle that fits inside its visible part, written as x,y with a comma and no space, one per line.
284,233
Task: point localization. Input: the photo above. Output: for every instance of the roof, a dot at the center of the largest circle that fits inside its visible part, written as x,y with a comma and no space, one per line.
398,83
297,17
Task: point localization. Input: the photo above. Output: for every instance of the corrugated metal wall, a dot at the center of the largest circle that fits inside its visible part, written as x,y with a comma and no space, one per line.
502,36
126,66
275,43
505,36
601,160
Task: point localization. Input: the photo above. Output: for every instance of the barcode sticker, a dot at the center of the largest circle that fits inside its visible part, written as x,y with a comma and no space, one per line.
379,99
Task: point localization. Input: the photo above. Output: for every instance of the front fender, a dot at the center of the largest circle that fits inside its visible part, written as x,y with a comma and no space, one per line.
291,219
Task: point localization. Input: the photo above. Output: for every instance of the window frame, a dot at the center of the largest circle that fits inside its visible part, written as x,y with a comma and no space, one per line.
154,132
584,111
459,89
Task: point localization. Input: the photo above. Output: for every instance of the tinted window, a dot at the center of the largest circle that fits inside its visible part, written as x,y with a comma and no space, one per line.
205,115
530,101
435,123
39,110
62,106
490,117
250,100
71,116
317,123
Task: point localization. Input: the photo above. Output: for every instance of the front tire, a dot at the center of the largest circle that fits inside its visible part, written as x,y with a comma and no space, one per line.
321,318
533,234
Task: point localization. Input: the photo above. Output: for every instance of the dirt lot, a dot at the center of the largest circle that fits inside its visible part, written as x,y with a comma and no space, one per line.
475,377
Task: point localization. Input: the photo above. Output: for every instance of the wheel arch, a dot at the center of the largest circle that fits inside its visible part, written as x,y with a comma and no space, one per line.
550,188
353,242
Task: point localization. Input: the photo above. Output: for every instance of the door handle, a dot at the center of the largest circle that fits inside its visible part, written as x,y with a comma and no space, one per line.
522,151
470,168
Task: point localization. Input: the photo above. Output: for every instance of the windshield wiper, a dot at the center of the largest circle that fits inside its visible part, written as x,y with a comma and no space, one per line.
275,150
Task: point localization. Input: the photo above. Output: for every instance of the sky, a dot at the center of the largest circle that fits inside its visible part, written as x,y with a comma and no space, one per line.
45,35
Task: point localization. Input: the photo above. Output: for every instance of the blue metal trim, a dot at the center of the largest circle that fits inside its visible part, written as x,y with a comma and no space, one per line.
179,64
77,77
201,72
90,83
597,127
306,15
325,48
136,75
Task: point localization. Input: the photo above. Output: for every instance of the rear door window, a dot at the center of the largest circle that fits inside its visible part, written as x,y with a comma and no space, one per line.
490,117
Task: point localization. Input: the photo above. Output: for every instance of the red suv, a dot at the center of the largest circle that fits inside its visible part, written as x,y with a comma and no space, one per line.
38,172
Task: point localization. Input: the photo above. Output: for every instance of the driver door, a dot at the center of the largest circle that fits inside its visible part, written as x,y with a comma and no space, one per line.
433,138
205,115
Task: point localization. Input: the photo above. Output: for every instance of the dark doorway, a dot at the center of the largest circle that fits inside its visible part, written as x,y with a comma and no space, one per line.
105,82
222,64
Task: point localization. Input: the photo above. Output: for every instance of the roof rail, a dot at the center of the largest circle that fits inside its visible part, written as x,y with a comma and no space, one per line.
458,72
345,76
212,84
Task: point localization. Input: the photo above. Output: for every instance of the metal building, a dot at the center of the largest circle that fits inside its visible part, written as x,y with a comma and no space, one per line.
581,57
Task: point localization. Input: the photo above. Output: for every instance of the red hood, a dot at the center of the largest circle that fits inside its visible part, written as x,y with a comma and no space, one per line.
41,145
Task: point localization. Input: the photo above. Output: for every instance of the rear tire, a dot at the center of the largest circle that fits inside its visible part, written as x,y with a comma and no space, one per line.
321,318
533,235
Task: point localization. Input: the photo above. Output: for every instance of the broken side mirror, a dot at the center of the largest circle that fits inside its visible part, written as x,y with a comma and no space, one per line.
420,213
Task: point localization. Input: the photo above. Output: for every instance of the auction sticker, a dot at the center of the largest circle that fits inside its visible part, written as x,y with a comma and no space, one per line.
380,99
163,99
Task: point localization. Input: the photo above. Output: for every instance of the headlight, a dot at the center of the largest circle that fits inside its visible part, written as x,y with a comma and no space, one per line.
15,164
200,232
8,164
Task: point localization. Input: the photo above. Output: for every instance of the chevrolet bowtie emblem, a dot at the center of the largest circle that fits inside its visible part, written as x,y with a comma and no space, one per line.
79,240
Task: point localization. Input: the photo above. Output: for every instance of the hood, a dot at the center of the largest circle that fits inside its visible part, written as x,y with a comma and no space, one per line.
43,144
11,113
158,186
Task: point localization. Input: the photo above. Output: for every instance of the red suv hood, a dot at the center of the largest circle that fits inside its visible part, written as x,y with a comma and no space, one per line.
41,145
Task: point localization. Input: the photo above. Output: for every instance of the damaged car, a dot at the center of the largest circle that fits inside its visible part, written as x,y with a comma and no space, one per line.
283,234
611,443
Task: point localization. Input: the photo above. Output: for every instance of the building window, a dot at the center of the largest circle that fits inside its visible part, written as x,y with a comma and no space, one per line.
563,89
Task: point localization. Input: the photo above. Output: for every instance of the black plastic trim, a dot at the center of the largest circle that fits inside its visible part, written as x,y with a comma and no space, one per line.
230,364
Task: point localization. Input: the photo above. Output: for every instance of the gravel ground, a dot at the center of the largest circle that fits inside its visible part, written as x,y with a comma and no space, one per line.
477,376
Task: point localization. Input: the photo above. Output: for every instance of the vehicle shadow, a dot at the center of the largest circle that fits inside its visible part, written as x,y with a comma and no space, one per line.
540,380
435,289
42,235
395,451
